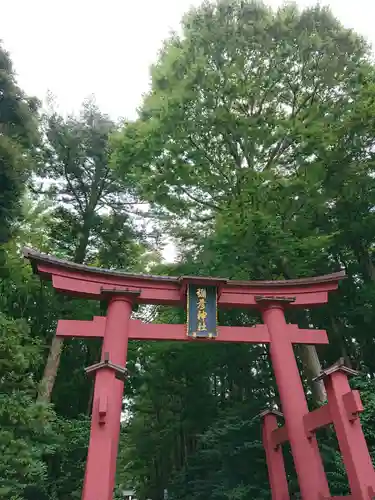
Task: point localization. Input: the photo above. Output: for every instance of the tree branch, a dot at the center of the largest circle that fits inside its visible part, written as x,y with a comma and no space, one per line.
203,203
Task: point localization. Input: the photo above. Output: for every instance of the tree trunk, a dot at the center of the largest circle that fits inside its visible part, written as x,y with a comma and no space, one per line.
340,339
311,361
50,370
364,259
81,248
53,362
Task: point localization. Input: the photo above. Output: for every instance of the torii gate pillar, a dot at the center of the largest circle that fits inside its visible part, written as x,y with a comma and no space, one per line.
100,473
305,450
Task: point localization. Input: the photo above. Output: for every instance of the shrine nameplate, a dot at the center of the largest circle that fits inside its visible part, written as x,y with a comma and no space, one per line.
202,311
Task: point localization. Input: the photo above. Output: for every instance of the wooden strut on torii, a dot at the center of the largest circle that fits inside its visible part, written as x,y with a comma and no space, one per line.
342,410
122,291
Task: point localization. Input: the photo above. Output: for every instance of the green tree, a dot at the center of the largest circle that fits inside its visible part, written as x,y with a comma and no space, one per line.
233,107
90,218
25,426
18,136
88,199
255,149
26,433
228,138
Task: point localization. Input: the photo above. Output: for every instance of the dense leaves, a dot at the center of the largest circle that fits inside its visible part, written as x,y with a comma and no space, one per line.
18,136
25,425
90,206
255,144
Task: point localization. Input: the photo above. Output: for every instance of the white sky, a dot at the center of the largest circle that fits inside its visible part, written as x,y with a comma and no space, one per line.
83,47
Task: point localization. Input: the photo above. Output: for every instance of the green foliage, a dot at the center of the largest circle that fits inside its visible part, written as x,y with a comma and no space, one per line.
25,426
18,134
66,466
225,453
255,149
90,208
232,106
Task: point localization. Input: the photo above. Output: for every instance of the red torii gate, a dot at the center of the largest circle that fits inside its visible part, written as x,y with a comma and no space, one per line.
122,290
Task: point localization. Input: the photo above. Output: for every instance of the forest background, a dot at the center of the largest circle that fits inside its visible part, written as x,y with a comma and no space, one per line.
254,151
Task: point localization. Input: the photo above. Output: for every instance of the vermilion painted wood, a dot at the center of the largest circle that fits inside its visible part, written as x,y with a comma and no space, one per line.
316,419
275,460
81,328
307,460
280,436
343,409
167,294
353,404
107,405
342,497
85,281
150,331
352,443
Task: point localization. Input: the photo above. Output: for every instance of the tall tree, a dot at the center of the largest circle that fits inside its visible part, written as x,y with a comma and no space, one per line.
18,136
234,101
25,427
90,220
86,194
230,130
255,149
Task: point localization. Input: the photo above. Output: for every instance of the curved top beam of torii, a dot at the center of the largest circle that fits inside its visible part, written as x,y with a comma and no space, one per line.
90,282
